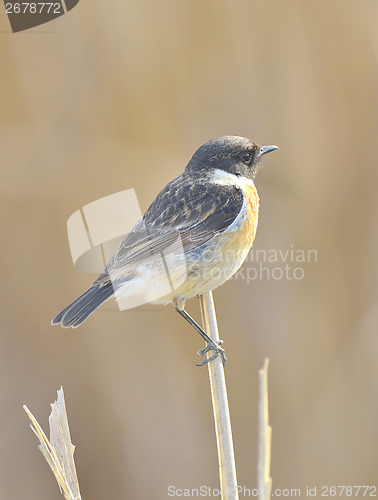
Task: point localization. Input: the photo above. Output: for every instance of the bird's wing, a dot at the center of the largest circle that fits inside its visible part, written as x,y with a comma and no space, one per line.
188,214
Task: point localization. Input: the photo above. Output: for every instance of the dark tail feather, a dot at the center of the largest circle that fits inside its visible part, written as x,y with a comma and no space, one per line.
78,311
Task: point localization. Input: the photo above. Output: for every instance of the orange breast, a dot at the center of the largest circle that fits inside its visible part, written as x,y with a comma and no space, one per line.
237,243
250,225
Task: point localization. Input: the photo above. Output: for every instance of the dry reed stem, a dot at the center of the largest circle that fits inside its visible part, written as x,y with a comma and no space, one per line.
226,458
264,481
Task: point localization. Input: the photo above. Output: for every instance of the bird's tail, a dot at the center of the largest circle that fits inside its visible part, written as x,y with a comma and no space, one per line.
77,312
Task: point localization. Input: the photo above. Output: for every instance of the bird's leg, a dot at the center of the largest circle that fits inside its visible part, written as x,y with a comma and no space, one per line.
211,345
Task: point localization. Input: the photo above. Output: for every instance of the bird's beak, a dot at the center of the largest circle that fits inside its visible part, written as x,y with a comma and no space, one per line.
265,149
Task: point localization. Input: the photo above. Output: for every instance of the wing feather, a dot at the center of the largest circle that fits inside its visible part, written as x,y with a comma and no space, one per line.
194,212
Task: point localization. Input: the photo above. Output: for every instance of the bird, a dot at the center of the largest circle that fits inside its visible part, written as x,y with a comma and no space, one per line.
194,236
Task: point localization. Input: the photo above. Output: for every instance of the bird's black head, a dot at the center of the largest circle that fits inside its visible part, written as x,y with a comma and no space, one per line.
236,155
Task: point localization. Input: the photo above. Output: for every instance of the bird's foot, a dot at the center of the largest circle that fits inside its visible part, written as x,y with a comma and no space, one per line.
218,351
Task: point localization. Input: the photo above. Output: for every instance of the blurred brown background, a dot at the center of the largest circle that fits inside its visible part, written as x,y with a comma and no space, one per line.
116,95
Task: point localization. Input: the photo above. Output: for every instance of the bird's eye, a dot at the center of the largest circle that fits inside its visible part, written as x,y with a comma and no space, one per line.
246,158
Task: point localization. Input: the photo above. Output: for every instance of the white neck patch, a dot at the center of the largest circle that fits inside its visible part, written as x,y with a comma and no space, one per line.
227,179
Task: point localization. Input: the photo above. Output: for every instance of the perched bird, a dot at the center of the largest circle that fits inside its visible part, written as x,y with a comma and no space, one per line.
195,236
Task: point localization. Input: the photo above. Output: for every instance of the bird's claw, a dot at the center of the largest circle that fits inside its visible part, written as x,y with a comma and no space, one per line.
210,347
218,351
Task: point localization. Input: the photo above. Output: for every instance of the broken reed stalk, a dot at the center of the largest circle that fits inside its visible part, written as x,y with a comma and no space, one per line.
58,451
226,457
